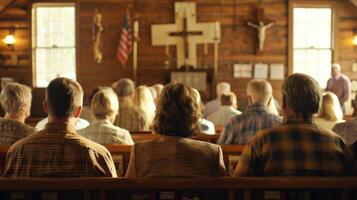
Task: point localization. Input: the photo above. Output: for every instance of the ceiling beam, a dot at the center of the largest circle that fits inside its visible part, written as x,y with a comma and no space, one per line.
5,4
354,2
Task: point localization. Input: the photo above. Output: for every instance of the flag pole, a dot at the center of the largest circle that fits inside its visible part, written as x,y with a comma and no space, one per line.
135,49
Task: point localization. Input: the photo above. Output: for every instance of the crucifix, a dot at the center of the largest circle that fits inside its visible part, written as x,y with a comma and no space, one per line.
186,34
261,28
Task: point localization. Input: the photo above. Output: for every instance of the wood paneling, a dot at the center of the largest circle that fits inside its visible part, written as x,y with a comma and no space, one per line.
237,46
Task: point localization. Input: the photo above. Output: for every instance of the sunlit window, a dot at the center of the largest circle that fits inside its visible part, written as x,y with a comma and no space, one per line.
312,42
53,42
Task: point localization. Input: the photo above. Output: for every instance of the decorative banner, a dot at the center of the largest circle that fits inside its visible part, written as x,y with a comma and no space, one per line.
97,33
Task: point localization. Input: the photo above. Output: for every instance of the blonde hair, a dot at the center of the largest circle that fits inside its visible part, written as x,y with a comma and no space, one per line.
197,98
145,101
330,108
260,90
104,104
15,97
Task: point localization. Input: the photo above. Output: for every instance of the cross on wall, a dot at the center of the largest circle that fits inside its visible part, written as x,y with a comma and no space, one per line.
186,34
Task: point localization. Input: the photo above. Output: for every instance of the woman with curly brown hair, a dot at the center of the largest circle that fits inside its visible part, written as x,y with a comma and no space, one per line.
174,154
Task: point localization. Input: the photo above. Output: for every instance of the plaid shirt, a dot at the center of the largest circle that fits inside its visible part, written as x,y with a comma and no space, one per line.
295,149
104,132
58,151
131,117
243,127
12,131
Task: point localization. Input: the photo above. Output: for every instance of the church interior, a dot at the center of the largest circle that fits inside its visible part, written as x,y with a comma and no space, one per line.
200,43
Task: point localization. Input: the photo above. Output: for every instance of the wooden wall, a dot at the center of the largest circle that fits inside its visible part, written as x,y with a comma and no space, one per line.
238,41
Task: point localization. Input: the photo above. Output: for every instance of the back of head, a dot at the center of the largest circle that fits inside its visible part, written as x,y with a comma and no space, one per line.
63,97
259,90
158,88
97,89
105,104
302,94
125,87
177,111
144,99
229,99
223,88
330,108
15,97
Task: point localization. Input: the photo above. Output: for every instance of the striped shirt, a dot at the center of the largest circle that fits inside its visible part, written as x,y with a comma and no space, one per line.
104,132
243,127
295,149
58,151
12,131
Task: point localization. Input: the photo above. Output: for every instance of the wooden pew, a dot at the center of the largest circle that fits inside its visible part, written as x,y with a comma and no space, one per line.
121,156
139,136
200,188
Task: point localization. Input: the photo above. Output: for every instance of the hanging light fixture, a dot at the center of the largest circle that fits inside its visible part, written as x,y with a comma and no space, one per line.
355,39
10,40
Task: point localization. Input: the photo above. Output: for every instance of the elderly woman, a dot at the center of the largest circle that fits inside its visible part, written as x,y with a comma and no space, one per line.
105,107
330,112
174,154
15,99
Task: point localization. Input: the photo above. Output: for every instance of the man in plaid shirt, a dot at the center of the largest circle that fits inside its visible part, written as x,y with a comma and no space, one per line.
243,127
58,151
298,147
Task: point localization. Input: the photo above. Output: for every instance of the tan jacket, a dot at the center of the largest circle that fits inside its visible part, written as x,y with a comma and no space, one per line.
176,157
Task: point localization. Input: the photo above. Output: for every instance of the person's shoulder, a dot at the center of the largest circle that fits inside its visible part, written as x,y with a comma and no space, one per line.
274,117
89,144
212,103
33,138
344,77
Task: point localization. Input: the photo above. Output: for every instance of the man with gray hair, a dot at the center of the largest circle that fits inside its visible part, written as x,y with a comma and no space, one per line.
58,151
130,117
298,147
214,105
340,85
242,128
15,99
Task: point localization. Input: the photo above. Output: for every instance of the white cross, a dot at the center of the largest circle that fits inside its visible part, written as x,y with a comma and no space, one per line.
185,33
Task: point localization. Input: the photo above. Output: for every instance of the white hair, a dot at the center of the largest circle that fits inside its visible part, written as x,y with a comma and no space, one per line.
104,104
223,88
336,66
15,97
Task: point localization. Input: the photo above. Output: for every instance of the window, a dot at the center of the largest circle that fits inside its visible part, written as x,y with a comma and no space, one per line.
53,42
312,42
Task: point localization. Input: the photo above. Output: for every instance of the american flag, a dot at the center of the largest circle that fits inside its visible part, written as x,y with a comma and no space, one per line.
125,42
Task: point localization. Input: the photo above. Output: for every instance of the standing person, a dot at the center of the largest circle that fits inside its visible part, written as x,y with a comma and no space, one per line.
214,105
15,99
174,154
340,85
58,151
243,128
298,147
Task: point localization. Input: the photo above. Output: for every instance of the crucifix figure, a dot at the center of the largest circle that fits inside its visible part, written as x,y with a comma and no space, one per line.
261,28
185,33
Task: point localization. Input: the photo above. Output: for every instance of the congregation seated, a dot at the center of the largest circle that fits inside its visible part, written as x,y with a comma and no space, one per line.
227,110
105,108
130,117
15,99
348,130
214,105
58,151
243,128
298,147
174,154
206,126
330,112
144,100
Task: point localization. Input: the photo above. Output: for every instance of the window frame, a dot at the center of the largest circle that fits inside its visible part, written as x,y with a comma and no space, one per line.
334,32
33,34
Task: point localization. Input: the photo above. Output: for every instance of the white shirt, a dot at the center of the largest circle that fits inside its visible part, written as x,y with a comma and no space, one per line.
80,124
104,132
207,127
223,115
211,107
327,124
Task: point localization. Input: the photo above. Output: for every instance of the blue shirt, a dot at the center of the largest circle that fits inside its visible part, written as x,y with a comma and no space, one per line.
243,127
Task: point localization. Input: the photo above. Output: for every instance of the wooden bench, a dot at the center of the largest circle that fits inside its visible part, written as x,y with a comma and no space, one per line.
139,136
121,156
343,188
